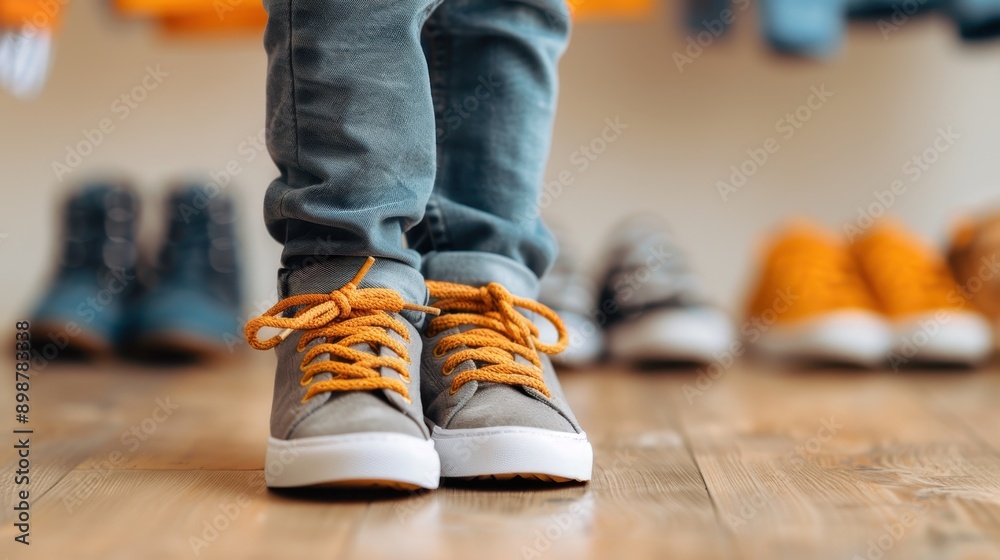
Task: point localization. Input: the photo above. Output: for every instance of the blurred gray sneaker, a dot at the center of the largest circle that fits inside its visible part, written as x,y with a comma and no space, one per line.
491,396
652,303
569,291
346,409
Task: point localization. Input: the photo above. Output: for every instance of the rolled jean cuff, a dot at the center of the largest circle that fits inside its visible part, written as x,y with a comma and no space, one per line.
326,274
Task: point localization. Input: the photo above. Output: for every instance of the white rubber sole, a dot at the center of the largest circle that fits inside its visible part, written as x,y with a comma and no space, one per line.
511,451
944,337
854,336
681,335
378,459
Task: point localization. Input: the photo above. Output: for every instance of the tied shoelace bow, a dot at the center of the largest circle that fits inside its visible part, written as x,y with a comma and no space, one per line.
501,334
344,318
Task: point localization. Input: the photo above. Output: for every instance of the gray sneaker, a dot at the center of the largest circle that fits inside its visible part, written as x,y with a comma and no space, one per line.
346,409
653,303
493,402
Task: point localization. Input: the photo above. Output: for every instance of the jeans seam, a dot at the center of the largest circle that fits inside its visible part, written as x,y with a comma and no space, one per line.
436,228
291,72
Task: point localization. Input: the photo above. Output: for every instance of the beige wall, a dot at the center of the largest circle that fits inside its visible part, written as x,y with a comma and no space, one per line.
684,132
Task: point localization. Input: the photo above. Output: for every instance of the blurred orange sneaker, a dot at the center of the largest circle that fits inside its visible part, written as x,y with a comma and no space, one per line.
931,319
811,302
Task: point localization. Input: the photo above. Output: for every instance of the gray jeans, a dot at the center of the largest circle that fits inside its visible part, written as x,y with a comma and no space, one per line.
415,117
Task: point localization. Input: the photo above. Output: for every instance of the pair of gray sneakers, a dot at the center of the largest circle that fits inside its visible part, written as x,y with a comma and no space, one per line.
373,391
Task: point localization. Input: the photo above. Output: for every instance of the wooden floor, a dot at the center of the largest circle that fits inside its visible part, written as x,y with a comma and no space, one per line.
759,463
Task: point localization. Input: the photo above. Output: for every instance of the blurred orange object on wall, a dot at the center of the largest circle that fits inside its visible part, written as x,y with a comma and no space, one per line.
42,14
610,9
187,17
221,9
172,8
249,17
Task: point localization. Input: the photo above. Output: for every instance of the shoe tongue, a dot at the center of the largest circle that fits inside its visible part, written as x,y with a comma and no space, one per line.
479,269
325,276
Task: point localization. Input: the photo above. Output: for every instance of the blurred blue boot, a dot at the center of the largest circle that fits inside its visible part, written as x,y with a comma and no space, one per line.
192,308
81,313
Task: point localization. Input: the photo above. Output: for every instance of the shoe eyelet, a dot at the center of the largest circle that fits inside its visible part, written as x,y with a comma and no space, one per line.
439,352
305,382
446,373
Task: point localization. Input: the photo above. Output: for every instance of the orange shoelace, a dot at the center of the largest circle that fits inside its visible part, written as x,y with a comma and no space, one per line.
501,334
343,318
906,276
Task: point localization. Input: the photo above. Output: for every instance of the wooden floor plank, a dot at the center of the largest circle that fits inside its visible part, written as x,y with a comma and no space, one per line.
75,410
647,498
171,514
205,419
838,465
759,464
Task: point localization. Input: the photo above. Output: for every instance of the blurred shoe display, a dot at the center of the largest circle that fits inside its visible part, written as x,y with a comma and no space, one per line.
930,318
82,311
811,302
814,28
818,28
26,36
193,306
974,257
652,301
570,292
976,19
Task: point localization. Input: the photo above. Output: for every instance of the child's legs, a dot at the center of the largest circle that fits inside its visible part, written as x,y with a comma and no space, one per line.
493,80
351,129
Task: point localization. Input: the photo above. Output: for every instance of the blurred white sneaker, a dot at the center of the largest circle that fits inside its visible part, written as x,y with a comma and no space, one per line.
852,336
570,292
652,302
